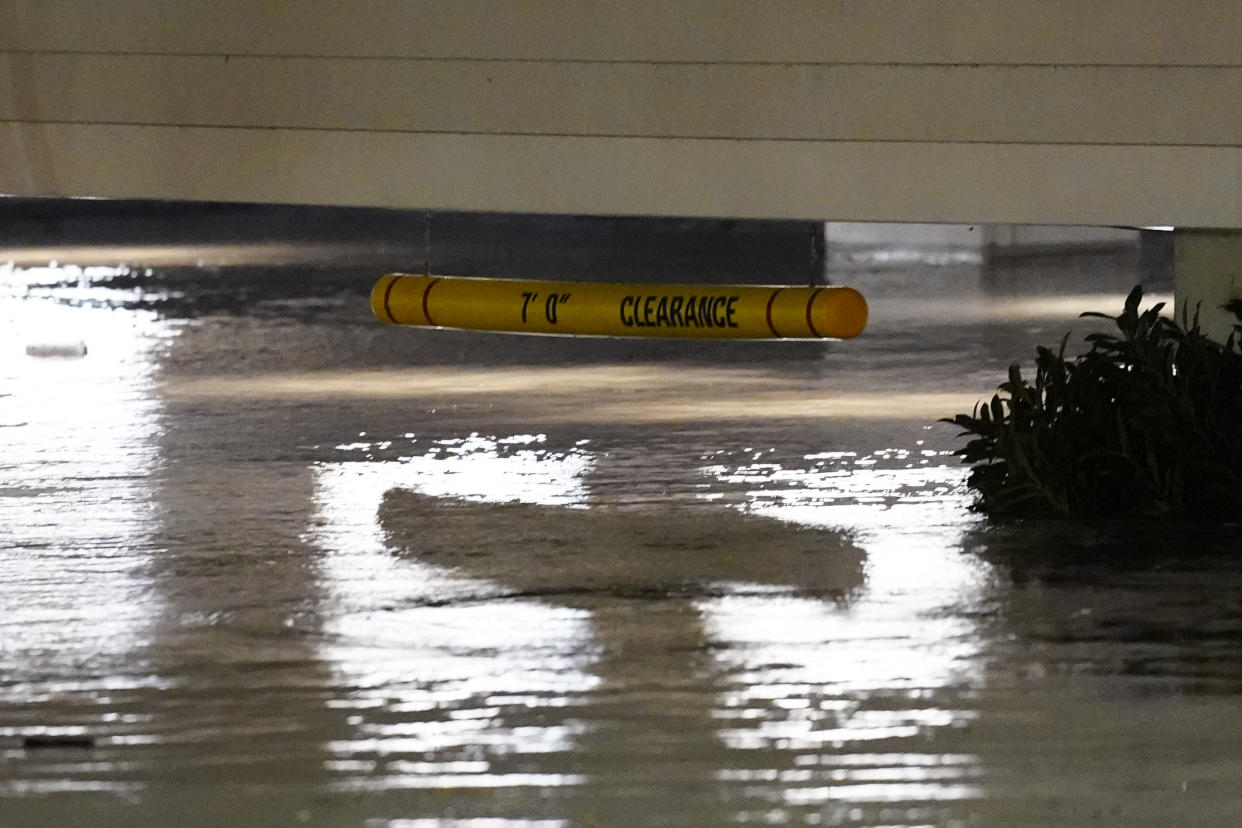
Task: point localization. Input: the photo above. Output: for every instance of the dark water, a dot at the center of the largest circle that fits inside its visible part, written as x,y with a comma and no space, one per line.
293,567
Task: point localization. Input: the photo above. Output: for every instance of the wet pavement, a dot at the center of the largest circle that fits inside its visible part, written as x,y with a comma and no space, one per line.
295,567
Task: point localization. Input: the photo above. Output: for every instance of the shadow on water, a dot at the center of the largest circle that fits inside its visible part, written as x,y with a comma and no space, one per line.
1126,598
1042,548
573,555
1114,667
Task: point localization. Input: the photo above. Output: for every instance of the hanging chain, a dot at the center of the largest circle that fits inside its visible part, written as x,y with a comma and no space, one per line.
819,254
814,258
427,242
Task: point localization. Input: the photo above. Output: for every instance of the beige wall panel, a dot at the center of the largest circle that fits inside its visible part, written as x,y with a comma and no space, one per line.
887,103
840,181
1054,111
1189,32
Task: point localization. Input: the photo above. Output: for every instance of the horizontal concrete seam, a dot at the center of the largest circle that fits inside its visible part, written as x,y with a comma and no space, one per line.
959,64
744,139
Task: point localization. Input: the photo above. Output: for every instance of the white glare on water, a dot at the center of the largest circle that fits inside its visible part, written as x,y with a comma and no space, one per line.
79,510
894,666
391,638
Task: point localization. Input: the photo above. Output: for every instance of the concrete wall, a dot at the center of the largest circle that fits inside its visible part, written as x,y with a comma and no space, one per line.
904,236
961,242
960,111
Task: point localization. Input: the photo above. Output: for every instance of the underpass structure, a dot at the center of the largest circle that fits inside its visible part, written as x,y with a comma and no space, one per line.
1090,112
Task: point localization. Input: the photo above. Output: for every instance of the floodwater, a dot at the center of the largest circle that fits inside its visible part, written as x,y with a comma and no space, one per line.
295,567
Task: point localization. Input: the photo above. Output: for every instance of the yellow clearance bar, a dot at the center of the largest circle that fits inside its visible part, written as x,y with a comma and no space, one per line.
593,309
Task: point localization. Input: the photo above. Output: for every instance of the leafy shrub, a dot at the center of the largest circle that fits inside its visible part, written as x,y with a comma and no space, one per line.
1147,422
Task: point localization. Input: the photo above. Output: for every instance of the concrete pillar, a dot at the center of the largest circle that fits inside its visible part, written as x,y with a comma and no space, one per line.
1155,258
1207,273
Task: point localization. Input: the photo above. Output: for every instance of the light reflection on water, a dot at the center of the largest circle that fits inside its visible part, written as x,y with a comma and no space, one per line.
796,676
400,652
896,666
78,436
548,598
484,822
77,446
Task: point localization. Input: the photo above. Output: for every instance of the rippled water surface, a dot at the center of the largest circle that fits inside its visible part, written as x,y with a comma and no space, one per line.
294,567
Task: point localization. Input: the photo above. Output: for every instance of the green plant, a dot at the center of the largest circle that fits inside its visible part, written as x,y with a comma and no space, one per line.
1146,422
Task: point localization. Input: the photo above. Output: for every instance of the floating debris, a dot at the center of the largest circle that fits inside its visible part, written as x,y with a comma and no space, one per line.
56,349
60,740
